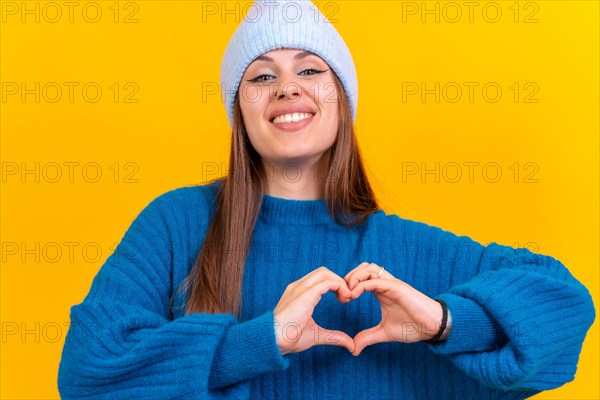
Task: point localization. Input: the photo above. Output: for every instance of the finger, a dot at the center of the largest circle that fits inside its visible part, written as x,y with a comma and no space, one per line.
314,293
369,272
343,299
334,338
373,285
313,276
360,266
320,274
368,337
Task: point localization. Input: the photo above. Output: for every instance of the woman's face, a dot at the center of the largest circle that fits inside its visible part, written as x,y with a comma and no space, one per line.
278,85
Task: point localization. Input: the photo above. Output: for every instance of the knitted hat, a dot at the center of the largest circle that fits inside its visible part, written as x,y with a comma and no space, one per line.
270,25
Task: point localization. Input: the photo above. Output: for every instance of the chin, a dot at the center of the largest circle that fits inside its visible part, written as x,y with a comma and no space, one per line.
292,157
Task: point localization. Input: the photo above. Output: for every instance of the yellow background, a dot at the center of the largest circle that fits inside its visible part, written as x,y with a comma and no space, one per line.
170,136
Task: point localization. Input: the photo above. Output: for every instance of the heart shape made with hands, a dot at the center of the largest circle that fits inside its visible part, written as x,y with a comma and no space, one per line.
407,315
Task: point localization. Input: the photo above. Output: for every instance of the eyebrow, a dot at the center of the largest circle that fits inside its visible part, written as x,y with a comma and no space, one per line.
298,56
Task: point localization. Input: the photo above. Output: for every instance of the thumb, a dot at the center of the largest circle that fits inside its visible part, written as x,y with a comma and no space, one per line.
334,338
368,337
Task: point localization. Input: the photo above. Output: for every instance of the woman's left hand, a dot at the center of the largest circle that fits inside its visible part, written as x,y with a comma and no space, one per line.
407,315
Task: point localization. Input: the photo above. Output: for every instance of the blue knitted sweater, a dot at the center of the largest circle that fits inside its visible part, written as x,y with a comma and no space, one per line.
519,318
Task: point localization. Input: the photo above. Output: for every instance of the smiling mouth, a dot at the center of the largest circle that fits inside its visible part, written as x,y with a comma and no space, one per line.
291,118
293,122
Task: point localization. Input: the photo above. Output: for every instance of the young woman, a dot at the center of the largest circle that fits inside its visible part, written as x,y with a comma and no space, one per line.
225,290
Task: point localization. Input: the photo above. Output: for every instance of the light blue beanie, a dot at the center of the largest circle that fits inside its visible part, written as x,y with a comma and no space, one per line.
270,25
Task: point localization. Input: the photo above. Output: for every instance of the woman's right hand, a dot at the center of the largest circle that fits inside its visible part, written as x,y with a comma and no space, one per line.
295,328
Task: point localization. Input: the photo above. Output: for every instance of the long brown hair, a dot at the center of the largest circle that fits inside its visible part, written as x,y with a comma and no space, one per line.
216,277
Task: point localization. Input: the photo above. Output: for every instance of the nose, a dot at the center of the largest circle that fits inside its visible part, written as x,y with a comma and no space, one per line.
288,87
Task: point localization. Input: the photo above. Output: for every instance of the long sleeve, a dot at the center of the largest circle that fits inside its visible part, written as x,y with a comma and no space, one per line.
519,318
122,344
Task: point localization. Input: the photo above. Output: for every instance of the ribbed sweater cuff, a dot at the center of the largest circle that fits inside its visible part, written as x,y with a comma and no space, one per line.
247,349
473,329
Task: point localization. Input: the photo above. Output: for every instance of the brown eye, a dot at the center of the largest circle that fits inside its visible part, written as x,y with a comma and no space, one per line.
316,71
259,78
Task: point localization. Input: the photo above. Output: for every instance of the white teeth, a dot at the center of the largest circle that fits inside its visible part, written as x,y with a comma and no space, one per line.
291,117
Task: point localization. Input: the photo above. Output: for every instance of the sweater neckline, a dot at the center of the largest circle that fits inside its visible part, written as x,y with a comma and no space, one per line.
293,211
